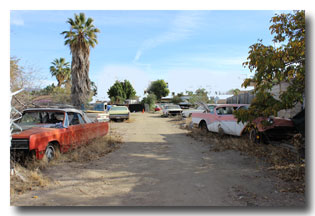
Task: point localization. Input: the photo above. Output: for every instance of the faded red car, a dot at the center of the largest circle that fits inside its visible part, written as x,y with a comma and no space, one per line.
157,108
220,119
44,131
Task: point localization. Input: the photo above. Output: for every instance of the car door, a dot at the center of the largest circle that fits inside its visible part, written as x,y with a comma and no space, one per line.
225,120
76,130
239,127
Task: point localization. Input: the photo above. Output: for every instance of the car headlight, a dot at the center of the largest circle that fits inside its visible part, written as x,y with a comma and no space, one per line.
270,120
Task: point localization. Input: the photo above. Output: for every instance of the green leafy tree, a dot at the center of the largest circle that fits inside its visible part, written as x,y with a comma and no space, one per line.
121,91
189,93
234,92
80,37
176,99
273,65
150,100
159,88
128,89
200,95
61,70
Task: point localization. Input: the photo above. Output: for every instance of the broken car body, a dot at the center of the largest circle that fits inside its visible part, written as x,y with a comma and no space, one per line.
119,113
221,120
172,110
47,130
98,112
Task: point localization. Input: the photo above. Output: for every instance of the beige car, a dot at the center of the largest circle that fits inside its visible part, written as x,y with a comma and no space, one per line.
119,113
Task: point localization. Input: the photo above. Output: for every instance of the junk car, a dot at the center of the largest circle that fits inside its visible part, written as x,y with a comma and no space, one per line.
45,131
199,109
171,110
97,112
119,113
220,119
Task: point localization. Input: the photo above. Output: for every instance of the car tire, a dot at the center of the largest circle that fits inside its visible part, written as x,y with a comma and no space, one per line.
254,136
203,126
51,151
220,131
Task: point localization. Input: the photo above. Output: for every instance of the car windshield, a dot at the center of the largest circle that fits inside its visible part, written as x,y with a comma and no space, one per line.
42,117
211,108
172,107
99,107
118,108
226,110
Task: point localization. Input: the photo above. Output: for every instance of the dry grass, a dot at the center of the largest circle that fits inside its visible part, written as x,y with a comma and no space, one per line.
284,162
130,120
24,179
93,150
29,176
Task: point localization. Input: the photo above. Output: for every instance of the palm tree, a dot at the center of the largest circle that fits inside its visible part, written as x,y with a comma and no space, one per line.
80,37
61,70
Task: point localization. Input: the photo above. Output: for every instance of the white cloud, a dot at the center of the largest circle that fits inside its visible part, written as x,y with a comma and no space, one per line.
182,27
16,19
18,22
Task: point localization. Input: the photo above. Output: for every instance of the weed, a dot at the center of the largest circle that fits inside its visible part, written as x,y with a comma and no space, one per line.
284,162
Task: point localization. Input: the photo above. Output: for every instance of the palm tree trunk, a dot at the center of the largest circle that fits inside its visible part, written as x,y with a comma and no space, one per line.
80,88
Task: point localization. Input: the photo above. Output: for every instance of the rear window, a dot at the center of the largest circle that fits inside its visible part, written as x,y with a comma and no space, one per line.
119,108
172,107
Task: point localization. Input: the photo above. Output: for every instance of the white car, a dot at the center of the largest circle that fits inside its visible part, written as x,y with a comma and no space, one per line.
98,112
200,109
172,110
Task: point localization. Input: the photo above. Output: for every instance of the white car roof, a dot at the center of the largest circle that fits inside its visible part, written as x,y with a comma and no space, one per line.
61,110
55,109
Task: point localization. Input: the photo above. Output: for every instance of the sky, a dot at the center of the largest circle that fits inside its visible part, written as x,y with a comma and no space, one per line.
188,49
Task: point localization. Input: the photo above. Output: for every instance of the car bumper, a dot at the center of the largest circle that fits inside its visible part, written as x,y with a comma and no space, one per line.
119,116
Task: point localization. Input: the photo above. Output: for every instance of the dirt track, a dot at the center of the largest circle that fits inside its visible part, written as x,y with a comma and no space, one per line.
158,165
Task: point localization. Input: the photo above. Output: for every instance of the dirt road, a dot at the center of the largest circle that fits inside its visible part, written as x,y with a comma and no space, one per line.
158,165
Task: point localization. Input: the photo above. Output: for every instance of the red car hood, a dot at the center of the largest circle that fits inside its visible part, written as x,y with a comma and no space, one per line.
35,130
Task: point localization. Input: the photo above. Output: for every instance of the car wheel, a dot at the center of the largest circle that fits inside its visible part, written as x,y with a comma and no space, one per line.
203,126
254,136
51,151
220,131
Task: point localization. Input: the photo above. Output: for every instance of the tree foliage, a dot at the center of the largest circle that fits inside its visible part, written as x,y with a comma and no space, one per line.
200,95
150,100
234,92
159,88
17,77
176,99
120,91
80,37
273,65
61,70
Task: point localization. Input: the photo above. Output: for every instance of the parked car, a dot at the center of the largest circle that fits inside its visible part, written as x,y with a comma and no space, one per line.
221,120
157,108
119,113
200,109
45,131
97,112
171,110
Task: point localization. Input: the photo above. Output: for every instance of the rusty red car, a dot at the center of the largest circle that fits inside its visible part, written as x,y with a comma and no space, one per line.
45,131
220,119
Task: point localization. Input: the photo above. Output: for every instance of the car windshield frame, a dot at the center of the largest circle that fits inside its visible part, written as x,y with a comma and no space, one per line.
43,117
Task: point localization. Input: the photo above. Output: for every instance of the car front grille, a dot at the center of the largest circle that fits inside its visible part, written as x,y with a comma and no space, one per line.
19,144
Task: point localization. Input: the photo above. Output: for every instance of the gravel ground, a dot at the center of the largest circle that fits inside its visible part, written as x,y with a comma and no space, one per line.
159,165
